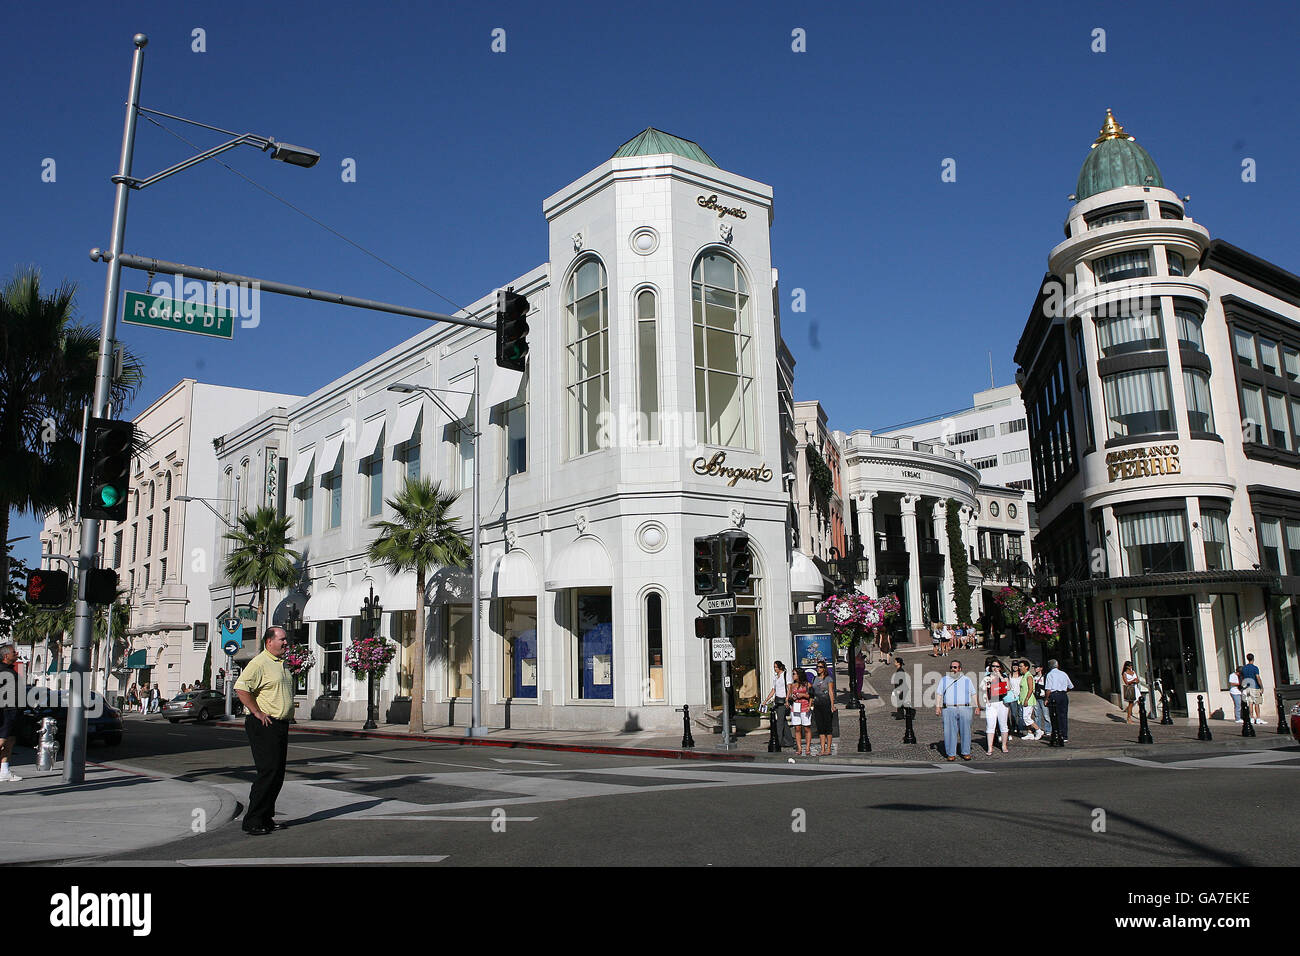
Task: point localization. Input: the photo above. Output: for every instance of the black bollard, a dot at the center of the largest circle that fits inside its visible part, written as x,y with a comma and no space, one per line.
1165,719
687,740
864,742
1247,722
1054,740
773,743
1144,731
909,735
1204,732
1281,717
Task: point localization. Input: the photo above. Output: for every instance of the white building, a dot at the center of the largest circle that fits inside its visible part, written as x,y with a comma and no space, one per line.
163,552
1161,372
649,415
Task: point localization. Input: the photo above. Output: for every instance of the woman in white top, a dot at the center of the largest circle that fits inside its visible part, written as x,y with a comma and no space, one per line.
1130,678
1234,688
778,696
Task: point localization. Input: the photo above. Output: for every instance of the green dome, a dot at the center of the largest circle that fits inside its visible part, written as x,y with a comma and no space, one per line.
651,142
1115,160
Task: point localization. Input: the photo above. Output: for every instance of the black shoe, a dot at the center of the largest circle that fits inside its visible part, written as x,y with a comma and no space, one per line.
278,826
257,831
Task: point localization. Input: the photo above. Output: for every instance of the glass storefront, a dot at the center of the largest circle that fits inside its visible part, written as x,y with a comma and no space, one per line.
404,635
593,644
1166,646
1228,650
1286,630
329,637
518,628
460,651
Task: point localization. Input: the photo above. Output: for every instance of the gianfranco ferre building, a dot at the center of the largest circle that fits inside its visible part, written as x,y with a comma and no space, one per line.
1161,377
649,415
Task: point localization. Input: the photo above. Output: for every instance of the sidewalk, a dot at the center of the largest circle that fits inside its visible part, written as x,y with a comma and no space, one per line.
117,808
1097,728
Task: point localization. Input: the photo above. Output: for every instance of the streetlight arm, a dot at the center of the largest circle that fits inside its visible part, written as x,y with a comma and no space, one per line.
261,142
204,501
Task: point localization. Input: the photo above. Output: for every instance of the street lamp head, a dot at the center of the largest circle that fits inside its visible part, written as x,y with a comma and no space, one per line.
402,387
294,155
140,40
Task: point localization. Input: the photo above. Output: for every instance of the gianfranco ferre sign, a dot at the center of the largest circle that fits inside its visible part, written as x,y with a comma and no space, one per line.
711,202
716,466
1144,462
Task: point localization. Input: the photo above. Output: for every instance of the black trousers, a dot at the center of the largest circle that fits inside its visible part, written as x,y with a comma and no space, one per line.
270,746
1062,701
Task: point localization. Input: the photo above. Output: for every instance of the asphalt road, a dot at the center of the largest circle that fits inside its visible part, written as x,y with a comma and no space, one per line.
386,802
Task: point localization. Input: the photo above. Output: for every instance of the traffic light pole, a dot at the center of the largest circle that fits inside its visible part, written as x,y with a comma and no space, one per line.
724,635
74,757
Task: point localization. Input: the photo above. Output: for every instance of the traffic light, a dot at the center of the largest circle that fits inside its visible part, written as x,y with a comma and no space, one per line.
706,628
738,626
512,329
47,588
106,471
737,562
706,565
101,586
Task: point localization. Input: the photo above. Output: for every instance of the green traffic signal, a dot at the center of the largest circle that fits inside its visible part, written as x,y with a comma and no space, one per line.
109,496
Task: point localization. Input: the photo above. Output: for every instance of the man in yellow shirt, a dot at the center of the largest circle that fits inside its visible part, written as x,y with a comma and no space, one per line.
266,690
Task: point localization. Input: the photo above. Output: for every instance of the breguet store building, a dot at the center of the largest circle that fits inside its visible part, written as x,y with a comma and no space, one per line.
648,415
1161,377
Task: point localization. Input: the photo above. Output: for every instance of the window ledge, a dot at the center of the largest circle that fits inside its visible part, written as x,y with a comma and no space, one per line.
1141,439
1278,456
1206,436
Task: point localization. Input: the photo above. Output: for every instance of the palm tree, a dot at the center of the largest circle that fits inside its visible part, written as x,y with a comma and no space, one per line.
47,376
423,537
261,557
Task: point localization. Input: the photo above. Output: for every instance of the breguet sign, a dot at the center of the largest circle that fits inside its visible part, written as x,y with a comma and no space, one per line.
711,202
1144,462
716,466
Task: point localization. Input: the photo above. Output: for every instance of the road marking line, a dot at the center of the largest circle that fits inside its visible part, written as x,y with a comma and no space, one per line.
310,860
539,763
362,753
412,816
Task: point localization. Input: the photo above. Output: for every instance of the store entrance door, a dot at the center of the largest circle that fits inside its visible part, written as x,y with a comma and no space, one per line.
1174,652
744,671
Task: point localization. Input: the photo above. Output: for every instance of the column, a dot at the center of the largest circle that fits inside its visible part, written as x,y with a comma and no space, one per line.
867,533
915,620
949,596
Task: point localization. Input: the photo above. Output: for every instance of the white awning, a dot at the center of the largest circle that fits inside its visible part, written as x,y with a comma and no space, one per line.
404,428
583,563
350,603
450,586
504,385
323,605
805,579
510,575
301,467
458,395
370,433
292,600
327,455
399,592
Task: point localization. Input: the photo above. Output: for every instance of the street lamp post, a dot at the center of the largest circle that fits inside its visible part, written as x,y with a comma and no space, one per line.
476,728
74,765
230,658
371,611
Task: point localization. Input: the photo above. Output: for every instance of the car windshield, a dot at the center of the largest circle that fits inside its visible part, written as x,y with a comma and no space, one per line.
188,695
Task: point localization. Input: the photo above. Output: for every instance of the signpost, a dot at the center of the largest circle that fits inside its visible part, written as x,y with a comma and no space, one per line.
160,312
723,650
718,604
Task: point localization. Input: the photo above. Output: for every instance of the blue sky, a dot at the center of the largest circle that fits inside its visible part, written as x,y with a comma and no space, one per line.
909,281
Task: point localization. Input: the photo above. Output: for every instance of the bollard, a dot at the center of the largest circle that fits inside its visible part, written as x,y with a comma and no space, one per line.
909,735
1204,732
1144,731
864,742
47,749
1054,740
1247,721
773,743
687,740
1165,719
1281,717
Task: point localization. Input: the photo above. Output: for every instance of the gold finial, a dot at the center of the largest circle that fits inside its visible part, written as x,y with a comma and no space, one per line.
1111,130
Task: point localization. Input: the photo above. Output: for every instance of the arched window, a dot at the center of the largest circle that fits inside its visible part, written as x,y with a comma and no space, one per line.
168,493
586,303
724,352
153,492
647,364
654,646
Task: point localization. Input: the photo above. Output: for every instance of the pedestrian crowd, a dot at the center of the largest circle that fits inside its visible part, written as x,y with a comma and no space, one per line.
946,638
1016,702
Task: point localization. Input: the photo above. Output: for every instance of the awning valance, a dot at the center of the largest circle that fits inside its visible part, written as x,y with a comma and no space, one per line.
137,659
1164,580
583,563
350,603
805,579
323,605
510,575
399,592
370,433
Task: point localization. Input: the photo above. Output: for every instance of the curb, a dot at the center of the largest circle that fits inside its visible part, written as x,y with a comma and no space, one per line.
518,744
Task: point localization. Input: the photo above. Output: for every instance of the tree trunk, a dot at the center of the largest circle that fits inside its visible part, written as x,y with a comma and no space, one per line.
4,552
417,678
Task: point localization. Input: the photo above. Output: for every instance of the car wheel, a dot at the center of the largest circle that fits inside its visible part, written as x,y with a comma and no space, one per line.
203,715
174,720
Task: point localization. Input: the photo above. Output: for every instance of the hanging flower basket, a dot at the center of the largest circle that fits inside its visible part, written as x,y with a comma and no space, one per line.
853,616
298,661
1013,603
889,606
1042,621
370,655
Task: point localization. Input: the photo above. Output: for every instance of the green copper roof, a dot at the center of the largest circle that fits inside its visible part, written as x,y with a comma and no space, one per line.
1115,160
653,141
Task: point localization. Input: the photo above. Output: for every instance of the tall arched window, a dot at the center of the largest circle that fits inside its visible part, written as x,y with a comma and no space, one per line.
647,365
153,490
168,496
586,303
724,352
654,646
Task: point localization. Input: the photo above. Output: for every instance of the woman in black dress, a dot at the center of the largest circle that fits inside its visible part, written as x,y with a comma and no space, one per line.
823,687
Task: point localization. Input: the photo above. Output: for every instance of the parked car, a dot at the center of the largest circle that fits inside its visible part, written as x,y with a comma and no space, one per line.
197,705
103,722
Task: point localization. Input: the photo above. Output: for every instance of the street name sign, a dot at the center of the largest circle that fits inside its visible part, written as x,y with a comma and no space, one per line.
161,312
718,604
724,650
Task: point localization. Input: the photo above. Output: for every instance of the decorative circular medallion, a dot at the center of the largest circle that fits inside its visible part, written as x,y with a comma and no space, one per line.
644,241
652,536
